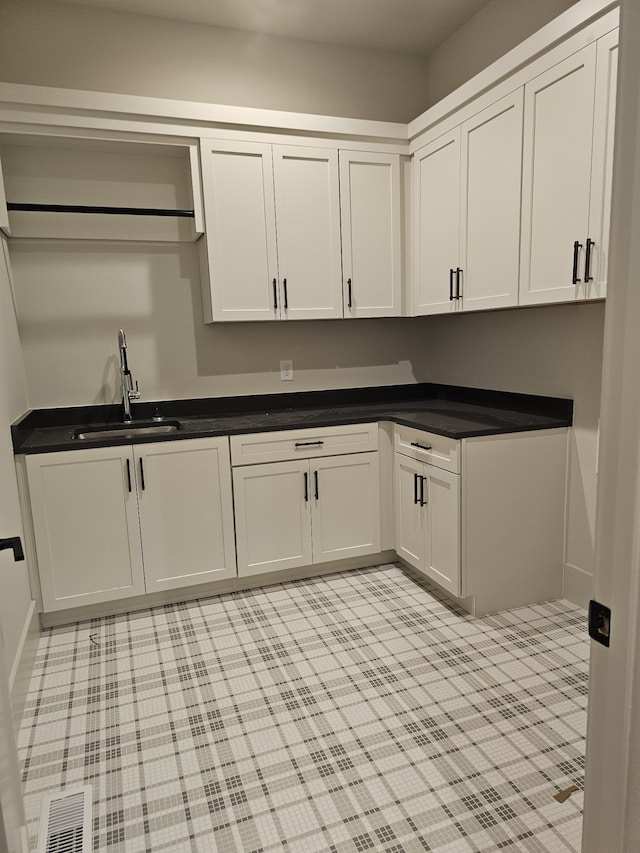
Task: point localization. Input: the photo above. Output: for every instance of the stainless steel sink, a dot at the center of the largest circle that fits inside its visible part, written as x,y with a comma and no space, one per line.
119,430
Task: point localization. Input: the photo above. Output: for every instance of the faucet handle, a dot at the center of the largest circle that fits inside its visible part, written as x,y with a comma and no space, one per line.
135,395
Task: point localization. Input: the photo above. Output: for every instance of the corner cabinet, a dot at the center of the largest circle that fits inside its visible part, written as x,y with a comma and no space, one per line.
568,164
466,190
116,522
316,504
483,517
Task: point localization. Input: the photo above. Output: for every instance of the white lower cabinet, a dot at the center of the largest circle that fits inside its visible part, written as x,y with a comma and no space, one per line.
487,526
186,515
110,523
427,510
304,511
85,521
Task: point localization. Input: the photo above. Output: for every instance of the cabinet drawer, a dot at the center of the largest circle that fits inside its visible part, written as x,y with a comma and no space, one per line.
303,443
434,449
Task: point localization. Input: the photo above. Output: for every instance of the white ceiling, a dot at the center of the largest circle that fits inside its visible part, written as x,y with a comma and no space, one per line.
408,26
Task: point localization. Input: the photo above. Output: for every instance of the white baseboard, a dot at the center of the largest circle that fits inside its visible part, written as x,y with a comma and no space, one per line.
23,663
578,585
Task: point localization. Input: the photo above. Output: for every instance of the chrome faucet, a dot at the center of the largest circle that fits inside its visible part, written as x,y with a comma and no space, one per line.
126,382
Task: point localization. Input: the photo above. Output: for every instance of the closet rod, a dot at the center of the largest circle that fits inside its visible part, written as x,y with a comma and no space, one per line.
86,208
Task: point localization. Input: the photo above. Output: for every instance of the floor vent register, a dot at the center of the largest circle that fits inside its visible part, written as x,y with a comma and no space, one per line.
65,821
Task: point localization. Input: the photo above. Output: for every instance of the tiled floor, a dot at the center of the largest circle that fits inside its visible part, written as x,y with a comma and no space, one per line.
352,712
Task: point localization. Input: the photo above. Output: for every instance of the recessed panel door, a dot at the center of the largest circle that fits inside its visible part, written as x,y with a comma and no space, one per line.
85,517
410,519
186,517
345,506
241,235
308,225
436,187
273,516
442,562
558,131
490,205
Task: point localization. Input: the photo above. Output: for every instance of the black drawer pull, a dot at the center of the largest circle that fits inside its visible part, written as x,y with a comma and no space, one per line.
587,260
142,475
286,295
452,272
420,446
350,302
415,488
458,275
576,249
422,500
275,295
308,443
306,487
129,474
315,477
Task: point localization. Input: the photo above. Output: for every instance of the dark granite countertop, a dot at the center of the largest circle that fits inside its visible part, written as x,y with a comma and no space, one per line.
443,409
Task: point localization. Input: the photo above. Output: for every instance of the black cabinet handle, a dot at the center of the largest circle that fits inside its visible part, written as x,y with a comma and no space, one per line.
142,475
315,478
420,446
129,474
415,488
587,260
308,444
15,545
350,302
286,295
306,487
576,249
422,500
275,295
458,276
452,272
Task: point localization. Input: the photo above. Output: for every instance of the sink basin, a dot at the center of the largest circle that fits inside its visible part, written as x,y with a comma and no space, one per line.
119,430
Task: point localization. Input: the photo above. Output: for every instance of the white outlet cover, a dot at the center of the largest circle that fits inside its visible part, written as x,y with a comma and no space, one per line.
286,370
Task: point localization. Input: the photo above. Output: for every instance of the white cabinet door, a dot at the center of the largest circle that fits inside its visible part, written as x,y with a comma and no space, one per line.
427,521
436,254
558,130
410,520
442,552
345,519
241,231
186,512
595,274
371,242
308,223
85,518
273,516
490,186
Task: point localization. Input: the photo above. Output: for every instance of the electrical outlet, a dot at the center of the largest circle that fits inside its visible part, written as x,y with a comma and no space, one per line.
286,370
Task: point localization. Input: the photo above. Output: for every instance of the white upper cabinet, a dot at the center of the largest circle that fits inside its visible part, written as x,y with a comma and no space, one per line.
241,231
559,112
308,226
467,213
273,232
602,165
371,234
436,250
490,195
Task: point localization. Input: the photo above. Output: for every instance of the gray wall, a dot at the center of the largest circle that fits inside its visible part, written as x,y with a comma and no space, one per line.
52,44
489,34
